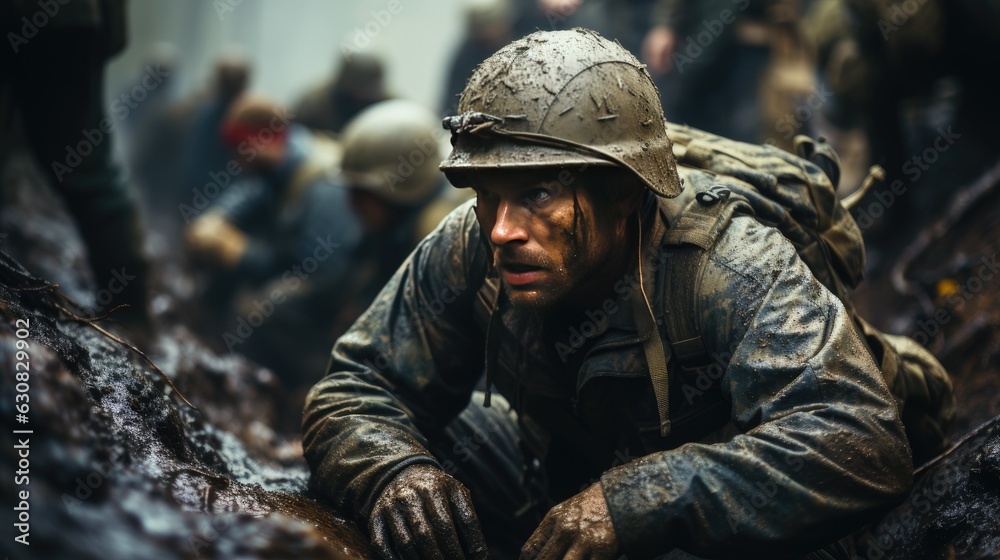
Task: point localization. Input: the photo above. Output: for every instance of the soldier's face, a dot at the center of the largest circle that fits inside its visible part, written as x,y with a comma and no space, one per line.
551,243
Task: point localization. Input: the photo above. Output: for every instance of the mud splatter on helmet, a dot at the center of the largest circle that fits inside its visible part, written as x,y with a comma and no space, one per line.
561,99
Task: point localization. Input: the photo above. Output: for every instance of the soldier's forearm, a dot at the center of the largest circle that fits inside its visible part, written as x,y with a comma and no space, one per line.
357,437
779,489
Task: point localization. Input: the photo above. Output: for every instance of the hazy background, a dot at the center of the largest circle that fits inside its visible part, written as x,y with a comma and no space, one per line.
292,44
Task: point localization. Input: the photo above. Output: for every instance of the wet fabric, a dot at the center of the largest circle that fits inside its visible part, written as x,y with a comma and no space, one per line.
806,442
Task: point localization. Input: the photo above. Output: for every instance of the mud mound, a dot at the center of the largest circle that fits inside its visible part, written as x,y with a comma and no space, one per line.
118,466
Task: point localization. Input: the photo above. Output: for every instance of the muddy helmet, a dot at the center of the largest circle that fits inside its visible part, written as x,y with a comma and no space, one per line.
562,99
392,149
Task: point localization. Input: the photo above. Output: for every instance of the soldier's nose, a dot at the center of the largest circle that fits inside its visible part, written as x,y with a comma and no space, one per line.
507,228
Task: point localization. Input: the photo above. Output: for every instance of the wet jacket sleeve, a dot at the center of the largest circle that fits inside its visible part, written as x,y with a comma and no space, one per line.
405,369
820,450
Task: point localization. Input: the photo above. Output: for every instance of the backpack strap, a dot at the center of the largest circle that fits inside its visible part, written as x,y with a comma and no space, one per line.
691,236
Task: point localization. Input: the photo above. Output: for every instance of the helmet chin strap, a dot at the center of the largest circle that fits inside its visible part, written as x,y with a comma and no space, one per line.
656,359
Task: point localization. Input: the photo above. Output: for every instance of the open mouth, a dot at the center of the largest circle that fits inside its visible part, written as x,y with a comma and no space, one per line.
518,268
517,274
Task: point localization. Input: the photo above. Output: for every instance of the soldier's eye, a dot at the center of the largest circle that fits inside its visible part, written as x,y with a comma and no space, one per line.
539,197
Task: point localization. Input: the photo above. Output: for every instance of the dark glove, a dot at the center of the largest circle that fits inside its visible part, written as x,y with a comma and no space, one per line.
578,528
425,513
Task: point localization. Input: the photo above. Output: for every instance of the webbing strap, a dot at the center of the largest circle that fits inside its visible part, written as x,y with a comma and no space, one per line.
652,347
492,331
690,238
656,360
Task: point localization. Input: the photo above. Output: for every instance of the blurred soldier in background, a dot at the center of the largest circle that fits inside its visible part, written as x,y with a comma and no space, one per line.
205,151
910,74
358,84
488,26
735,67
54,77
272,238
316,248
390,166
154,147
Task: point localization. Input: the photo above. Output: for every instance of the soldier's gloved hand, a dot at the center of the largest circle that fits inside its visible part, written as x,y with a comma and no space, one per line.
576,529
213,238
425,513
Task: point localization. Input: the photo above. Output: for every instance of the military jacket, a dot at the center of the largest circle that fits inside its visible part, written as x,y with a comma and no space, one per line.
791,442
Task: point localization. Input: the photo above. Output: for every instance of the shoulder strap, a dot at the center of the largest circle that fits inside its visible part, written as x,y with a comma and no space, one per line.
688,242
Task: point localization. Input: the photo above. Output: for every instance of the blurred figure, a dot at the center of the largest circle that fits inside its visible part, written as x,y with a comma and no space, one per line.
625,21
155,146
390,166
55,78
271,239
912,76
318,249
358,83
205,151
737,68
488,26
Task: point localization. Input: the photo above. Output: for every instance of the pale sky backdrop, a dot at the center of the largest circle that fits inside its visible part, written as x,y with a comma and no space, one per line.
293,43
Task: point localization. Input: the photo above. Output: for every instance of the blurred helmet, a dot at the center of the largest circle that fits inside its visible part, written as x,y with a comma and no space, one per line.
559,99
392,150
362,75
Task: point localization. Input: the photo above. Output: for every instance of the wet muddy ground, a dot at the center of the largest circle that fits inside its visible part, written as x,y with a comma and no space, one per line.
121,467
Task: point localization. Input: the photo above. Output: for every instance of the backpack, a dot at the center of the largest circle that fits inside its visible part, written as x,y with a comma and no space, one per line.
797,196
792,194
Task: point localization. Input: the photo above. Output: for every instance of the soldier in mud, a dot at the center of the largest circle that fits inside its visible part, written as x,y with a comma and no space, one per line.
390,168
280,226
557,283
54,77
